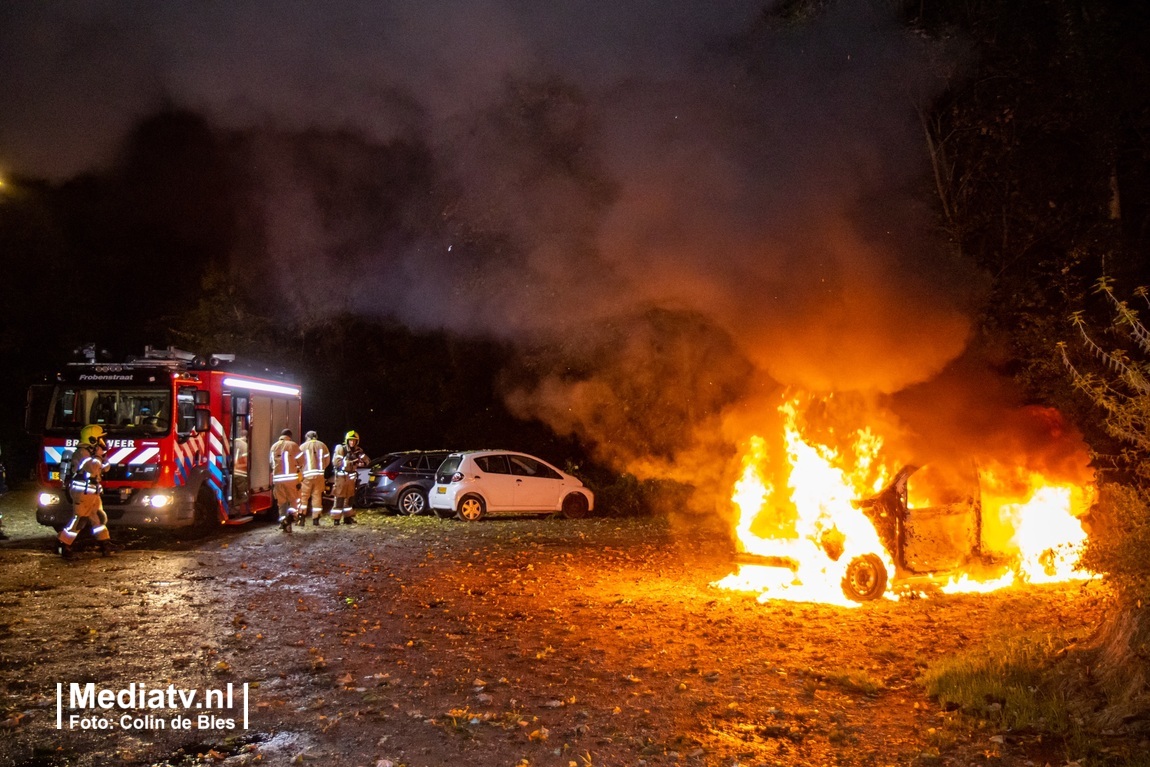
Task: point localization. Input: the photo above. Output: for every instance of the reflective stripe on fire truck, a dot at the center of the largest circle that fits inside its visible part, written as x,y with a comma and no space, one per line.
218,450
146,456
139,455
188,455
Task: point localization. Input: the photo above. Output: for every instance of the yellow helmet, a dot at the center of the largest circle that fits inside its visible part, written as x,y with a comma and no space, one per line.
93,434
353,434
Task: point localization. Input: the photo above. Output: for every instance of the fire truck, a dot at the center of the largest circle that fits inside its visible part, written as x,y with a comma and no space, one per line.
188,437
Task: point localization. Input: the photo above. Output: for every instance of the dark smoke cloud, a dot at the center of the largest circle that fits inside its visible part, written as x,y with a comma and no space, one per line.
643,176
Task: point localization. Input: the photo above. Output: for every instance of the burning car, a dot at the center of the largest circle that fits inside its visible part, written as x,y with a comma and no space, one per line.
917,543
820,518
922,541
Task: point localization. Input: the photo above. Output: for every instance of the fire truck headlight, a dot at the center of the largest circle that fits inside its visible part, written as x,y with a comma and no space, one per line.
158,501
48,499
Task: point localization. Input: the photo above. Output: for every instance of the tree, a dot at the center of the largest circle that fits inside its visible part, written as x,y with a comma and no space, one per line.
1117,380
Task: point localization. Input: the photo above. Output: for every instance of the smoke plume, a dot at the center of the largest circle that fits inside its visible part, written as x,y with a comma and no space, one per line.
674,209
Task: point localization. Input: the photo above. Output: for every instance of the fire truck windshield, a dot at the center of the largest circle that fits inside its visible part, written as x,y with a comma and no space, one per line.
124,411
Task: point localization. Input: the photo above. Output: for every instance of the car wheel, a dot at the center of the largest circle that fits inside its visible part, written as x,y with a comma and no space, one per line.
865,578
575,506
412,502
471,508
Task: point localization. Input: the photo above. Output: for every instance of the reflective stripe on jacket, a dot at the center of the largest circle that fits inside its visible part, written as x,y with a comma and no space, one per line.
284,460
314,457
346,459
86,475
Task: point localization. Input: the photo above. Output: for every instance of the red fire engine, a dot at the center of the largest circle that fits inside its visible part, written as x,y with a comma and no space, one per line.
188,437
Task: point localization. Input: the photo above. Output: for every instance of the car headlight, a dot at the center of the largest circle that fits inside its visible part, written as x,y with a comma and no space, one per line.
48,499
158,501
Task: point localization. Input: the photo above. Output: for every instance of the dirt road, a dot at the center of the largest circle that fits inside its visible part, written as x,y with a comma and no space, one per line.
420,642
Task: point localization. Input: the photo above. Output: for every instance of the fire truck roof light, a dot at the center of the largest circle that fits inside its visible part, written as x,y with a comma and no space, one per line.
239,383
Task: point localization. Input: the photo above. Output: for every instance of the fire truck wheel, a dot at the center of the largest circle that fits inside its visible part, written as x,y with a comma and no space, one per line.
205,514
865,578
412,502
575,506
471,508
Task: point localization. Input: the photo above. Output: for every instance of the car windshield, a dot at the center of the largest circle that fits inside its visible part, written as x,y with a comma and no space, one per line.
120,411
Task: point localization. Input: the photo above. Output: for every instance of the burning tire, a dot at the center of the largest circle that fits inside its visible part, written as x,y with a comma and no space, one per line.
865,578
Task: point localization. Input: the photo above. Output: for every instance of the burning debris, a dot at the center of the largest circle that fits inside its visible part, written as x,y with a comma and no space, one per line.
829,523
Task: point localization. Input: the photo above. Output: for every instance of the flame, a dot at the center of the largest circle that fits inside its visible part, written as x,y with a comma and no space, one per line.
818,498
804,529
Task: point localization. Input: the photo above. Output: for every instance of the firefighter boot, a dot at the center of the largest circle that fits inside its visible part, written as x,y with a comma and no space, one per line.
315,521
64,550
106,549
350,521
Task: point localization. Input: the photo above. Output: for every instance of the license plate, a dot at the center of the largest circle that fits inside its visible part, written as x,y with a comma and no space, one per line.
442,489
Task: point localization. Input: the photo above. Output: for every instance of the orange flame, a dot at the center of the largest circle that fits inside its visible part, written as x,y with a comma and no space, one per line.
803,532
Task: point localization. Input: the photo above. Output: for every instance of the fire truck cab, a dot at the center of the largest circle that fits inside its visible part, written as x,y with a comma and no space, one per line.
188,437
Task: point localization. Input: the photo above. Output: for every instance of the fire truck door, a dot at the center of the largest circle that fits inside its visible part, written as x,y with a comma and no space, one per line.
241,451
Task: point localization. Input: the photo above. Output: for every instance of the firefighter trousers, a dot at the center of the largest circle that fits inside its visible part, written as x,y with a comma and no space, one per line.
287,498
311,492
88,510
343,504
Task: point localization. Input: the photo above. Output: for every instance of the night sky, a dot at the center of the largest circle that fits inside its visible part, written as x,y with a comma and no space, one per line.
755,173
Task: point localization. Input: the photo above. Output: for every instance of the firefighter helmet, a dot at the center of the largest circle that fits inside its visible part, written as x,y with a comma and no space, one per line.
353,434
93,434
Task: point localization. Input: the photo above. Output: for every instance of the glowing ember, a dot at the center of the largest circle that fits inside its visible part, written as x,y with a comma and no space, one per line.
813,540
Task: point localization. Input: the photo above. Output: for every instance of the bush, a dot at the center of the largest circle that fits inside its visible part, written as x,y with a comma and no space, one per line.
1119,527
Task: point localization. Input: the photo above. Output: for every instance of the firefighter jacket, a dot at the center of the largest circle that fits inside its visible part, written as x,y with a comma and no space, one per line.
313,457
284,459
240,451
86,471
347,459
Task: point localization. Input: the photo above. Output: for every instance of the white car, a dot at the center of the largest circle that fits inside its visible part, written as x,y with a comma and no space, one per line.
475,483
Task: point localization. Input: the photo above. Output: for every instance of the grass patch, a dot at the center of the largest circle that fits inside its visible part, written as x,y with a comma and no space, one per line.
1007,683
851,680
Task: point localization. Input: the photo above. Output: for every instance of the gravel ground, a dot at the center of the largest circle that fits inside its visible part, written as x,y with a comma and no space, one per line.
416,641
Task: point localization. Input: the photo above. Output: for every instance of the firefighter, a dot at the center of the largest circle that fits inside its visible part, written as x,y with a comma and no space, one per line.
347,460
314,458
284,458
240,486
84,486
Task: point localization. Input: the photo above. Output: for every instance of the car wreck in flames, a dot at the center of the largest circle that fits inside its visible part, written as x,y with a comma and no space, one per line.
920,542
